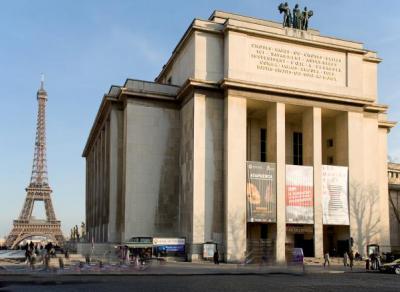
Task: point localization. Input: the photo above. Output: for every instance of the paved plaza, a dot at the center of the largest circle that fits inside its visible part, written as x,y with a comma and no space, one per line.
196,277
243,282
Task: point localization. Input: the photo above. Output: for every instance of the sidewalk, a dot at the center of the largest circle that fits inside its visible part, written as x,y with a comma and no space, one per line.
182,268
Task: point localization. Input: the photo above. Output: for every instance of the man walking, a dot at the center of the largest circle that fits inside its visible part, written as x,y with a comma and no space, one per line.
326,259
345,259
216,257
351,258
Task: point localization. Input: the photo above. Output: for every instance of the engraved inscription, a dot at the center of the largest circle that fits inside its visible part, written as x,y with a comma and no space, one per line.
296,62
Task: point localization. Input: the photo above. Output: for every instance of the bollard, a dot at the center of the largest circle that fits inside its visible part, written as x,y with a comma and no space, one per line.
61,263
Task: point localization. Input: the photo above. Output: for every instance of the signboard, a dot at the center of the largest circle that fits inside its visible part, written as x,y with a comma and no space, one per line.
299,194
285,61
335,195
170,248
299,229
209,250
168,241
147,240
261,192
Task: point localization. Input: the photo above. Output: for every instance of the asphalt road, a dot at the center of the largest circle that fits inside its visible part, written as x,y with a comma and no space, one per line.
275,282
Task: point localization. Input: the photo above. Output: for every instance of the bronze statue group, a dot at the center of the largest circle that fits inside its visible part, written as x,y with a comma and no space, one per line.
298,20
75,235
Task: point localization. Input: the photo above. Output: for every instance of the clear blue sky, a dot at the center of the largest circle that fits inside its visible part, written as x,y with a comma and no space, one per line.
85,46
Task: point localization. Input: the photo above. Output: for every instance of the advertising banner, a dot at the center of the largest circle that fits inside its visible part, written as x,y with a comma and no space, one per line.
299,194
168,241
335,195
261,192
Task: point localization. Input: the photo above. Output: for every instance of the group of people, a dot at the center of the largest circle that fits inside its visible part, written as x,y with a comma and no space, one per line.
348,259
134,255
37,252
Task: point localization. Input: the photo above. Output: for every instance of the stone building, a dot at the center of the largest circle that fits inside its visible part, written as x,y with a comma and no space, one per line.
394,205
251,135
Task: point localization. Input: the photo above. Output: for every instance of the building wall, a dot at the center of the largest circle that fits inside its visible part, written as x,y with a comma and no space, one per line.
186,170
394,193
209,59
116,207
394,226
152,169
214,166
184,65
97,194
351,79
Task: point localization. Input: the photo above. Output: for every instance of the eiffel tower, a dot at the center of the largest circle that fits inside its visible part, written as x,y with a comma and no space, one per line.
38,190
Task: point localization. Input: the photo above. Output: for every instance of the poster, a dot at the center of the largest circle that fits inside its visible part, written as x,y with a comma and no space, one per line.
209,250
261,192
335,195
299,194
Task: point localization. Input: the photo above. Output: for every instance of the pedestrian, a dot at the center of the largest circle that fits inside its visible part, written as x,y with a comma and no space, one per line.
326,259
216,257
32,261
345,259
351,258
46,261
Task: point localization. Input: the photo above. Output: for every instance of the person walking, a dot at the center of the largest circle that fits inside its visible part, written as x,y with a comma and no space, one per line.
345,259
32,261
216,257
326,259
351,258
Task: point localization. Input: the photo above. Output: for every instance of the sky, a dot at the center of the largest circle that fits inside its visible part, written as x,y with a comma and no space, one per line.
83,47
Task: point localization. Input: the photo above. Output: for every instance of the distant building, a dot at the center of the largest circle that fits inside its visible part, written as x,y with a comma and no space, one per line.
255,137
394,204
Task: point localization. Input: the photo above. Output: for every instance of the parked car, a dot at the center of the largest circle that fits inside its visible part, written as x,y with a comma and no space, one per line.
393,267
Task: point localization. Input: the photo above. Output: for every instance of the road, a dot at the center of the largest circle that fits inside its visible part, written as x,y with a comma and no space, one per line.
193,283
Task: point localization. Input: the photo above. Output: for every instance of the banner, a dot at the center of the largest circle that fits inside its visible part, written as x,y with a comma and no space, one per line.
299,194
261,192
335,195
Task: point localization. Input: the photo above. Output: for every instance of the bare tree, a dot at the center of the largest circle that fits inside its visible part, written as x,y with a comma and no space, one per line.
395,207
364,210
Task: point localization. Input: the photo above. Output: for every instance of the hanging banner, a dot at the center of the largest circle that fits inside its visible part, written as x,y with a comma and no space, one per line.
261,192
335,195
299,194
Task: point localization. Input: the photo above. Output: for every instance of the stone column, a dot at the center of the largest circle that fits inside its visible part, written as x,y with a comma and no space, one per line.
113,235
356,175
312,155
276,153
199,123
383,190
235,177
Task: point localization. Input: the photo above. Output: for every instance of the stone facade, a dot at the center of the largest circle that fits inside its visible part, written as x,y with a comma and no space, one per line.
168,158
394,205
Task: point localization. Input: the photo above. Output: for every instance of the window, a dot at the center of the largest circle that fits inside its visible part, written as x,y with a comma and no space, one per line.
329,143
297,148
330,160
263,145
264,231
169,81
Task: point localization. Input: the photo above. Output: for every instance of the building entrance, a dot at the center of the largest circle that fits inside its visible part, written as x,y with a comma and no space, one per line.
336,239
300,236
261,242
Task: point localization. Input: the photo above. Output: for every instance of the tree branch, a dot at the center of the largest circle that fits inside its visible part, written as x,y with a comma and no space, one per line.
395,210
